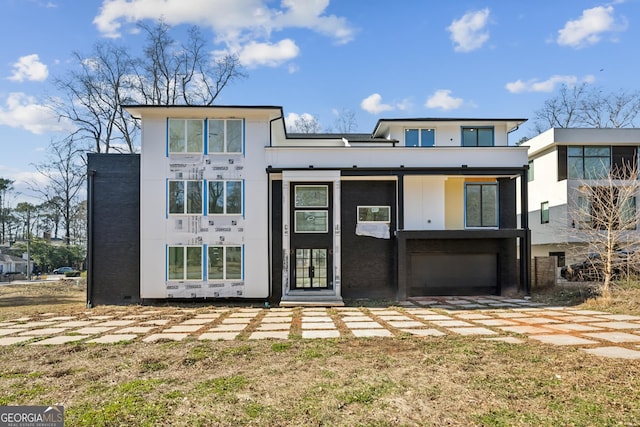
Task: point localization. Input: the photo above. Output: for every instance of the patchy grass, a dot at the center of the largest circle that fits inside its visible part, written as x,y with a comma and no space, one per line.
401,381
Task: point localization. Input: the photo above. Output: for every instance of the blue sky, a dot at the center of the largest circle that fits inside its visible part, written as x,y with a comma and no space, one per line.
379,59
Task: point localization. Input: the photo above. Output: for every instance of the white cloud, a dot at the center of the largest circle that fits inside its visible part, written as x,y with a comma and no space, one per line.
549,85
468,33
373,104
443,100
24,112
29,68
238,24
267,54
589,28
292,119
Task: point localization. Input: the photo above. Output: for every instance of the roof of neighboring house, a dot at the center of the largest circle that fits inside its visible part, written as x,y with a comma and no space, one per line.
6,258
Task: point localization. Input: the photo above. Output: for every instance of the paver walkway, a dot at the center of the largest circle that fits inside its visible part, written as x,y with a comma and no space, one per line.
492,318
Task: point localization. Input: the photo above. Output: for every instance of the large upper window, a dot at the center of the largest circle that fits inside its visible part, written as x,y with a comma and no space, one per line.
184,263
607,208
225,197
588,162
186,136
225,136
224,262
481,205
419,137
185,197
477,137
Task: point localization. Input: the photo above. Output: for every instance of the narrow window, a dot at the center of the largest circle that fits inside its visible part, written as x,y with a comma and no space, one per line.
544,213
530,172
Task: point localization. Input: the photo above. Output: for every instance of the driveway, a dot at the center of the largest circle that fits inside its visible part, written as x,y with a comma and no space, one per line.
489,318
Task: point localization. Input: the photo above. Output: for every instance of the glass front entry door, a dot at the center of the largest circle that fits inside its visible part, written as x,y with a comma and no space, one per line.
311,269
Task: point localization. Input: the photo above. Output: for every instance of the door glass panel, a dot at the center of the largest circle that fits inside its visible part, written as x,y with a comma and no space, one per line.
312,196
311,268
311,222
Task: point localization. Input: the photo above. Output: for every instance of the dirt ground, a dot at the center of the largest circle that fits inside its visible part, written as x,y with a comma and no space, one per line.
405,380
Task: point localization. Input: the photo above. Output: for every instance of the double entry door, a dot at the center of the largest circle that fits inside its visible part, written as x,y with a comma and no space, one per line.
311,239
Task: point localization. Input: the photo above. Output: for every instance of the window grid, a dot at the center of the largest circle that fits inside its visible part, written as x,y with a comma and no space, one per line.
419,137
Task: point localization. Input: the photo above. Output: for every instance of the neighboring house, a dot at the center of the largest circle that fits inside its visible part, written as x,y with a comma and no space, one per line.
560,161
12,264
223,203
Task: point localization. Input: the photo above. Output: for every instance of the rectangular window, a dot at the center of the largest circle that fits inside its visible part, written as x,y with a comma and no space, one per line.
560,256
225,262
607,208
312,196
419,137
588,162
185,197
184,263
477,137
225,136
530,172
544,213
311,221
225,197
374,214
481,205
186,136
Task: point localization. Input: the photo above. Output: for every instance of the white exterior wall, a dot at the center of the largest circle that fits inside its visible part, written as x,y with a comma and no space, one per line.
424,202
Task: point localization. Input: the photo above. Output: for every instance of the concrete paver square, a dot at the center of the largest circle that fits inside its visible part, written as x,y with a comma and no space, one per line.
322,325
406,324
245,315
229,327
618,337
13,340
620,317
550,313
116,323
92,330
616,325
357,319
510,314
495,322
274,327
389,317
165,336
424,332
364,333
112,339
508,340
209,316
260,335
37,324
576,327
43,331
562,339
76,323
135,330
451,323
588,312
363,325
383,312
536,320
321,334
473,331
4,332
472,316
580,319
182,328
525,329
6,324
62,339
60,318
100,317
316,319
416,311
219,336
431,317
614,352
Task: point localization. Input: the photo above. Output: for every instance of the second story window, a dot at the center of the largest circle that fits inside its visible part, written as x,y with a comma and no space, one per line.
185,197
481,205
588,162
186,136
477,137
419,137
225,136
225,197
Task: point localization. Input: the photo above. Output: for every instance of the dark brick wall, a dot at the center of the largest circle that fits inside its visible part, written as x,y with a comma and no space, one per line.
507,196
368,264
276,242
114,245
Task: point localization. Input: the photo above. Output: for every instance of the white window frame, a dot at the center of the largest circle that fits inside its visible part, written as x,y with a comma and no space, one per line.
186,136
224,263
419,137
225,197
185,265
225,141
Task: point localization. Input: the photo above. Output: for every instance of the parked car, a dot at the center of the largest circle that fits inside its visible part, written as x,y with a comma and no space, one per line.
62,270
592,268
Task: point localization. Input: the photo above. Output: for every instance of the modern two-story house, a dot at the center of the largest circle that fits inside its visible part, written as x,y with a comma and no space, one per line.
224,203
561,163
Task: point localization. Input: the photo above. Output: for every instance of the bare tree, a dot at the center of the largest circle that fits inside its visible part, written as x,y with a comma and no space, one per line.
346,122
306,123
65,174
170,74
586,106
94,94
604,218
